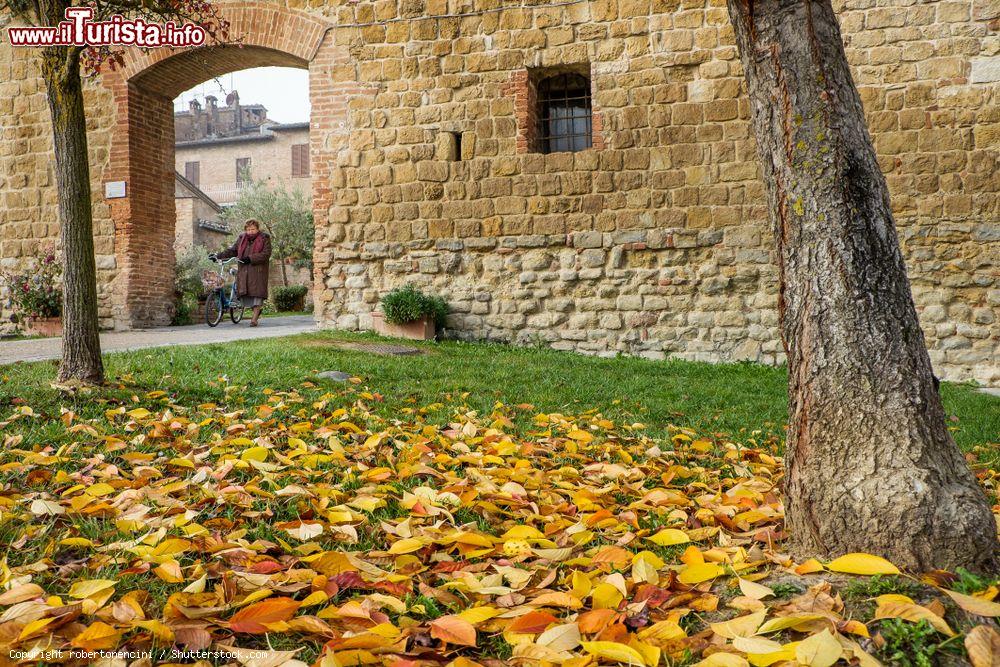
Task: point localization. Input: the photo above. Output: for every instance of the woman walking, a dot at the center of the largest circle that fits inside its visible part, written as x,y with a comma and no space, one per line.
253,250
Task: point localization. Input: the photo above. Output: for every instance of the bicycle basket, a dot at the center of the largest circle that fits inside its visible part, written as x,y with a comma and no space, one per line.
211,280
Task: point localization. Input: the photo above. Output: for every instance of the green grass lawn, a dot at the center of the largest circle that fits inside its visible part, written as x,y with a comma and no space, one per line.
739,399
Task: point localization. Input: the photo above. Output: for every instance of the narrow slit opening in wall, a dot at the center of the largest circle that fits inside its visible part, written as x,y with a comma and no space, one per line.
457,143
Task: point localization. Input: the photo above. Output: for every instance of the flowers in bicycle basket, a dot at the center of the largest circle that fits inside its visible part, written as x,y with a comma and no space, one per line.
36,292
210,280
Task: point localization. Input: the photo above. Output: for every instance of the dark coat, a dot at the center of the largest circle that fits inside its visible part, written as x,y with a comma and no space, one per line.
251,279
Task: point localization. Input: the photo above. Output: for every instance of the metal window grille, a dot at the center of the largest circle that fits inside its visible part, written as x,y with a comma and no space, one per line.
243,170
565,121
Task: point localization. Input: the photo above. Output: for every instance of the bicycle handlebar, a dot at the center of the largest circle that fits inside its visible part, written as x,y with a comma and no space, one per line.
225,261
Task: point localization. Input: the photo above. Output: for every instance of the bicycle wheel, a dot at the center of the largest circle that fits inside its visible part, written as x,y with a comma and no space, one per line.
236,313
213,308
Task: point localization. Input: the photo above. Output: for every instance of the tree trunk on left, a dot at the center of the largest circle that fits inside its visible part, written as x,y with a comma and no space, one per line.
81,345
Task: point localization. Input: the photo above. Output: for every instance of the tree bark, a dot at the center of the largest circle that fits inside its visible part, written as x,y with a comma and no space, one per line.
870,464
81,345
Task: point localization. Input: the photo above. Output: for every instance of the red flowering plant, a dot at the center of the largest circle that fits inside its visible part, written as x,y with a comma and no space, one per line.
36,292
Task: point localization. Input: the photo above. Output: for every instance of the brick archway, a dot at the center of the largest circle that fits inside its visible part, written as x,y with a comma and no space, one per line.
142,143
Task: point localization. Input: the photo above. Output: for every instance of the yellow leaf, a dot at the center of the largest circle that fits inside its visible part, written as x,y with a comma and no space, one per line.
565,637
162,632
699,572
754,590
34,627
258,454
523,533
606,596
662,632
170,572
859,563
722,660
741,626
787,653
97,636
669,537
819,650
85,589
100,489
614,651
785,622
581,585
983,646
758,645
893,597
914,613
76,542
975,605
478,614
406,546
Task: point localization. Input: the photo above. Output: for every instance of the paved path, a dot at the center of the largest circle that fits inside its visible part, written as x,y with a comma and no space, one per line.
39,349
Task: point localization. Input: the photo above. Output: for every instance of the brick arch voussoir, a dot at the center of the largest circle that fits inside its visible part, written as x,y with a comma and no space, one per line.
260,34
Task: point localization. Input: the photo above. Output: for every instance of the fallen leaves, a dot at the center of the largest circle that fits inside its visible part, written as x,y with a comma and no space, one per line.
859,563
435,535
263,616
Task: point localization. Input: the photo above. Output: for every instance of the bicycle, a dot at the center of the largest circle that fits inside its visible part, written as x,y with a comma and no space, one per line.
220,299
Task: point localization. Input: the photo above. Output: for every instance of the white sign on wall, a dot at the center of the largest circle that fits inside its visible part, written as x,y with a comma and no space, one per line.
114,189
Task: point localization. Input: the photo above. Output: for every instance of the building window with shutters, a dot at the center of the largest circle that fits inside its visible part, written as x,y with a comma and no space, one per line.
243,170
565,121
300,160
192,172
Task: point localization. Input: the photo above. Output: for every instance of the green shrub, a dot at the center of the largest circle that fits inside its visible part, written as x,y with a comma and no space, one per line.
190,264
290,297
185,310
408,304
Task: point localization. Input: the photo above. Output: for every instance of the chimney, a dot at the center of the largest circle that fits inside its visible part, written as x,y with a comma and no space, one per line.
233,101
195,107
212,126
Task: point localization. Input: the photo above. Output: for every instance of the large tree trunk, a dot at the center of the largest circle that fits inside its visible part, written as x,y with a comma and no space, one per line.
871,466
81,346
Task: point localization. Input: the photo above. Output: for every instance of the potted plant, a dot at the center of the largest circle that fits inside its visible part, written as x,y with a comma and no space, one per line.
35,296
409,313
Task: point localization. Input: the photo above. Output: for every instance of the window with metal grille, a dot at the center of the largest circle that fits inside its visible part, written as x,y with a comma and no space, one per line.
565,120
243,170
300,160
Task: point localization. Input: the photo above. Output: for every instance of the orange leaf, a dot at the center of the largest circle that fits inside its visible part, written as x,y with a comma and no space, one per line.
532,622
253,619
453,630
595,621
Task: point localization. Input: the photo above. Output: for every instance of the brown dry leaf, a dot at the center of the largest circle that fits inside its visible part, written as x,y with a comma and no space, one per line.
983,646
913,612
975,605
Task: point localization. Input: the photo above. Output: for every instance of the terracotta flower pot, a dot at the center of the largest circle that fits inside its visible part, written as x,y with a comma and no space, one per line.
44,326
422,329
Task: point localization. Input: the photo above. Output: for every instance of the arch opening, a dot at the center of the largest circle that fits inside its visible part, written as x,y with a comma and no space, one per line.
143,153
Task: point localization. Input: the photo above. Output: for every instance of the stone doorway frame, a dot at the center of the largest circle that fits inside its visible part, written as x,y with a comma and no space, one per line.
142,144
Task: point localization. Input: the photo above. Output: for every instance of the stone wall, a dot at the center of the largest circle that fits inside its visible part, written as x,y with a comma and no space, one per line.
28,208
656,243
